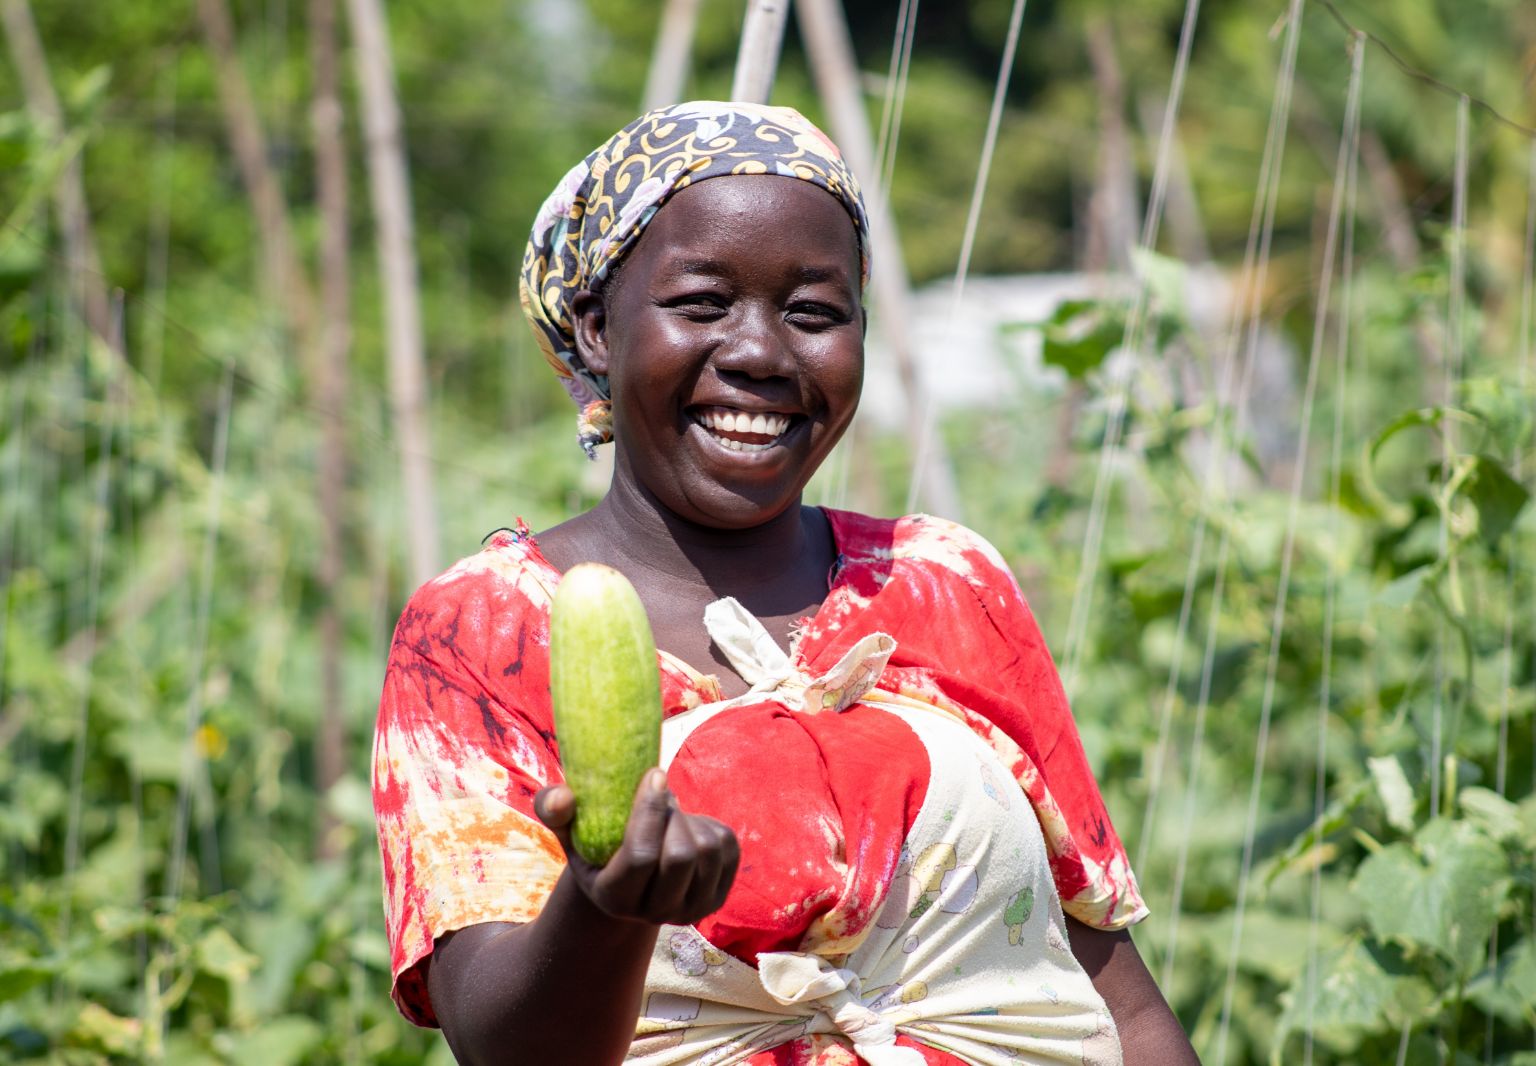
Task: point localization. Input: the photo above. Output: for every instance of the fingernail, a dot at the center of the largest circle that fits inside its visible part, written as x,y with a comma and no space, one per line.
656,780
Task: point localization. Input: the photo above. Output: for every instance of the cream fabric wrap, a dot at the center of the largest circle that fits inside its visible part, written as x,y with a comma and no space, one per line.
969,952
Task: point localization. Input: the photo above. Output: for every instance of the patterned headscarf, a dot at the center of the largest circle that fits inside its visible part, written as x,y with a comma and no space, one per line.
600,208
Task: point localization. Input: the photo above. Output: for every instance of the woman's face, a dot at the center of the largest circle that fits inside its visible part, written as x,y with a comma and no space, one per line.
733,342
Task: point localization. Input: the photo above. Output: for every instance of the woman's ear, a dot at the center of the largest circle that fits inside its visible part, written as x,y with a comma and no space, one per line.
589,323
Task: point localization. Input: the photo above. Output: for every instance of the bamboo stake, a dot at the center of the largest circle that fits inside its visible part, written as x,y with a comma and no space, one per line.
31,61
282,274
671,58
837,80
762,36
1112,221
389,183
330,394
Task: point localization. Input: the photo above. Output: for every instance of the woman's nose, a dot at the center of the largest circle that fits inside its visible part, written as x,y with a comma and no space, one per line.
757,346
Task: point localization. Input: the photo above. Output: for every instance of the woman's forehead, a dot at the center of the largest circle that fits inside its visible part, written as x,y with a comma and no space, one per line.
710,227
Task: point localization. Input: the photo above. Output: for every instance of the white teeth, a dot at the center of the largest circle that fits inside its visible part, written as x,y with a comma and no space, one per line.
723,420
742,446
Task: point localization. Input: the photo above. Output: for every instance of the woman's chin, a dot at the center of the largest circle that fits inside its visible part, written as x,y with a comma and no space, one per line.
734,508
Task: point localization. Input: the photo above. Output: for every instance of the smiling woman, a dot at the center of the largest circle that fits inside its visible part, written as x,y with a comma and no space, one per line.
882,844
739,305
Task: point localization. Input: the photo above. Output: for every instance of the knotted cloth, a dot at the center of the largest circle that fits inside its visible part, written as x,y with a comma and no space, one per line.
603,204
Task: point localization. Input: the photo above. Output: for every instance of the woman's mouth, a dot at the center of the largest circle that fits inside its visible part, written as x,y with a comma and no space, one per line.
743,431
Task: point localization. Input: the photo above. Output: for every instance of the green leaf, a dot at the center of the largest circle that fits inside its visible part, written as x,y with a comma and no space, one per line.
1359,987
1402,591
1441,895
16,978
220,955
1396,794
1080,334
101,1030
1492,813
1336,816
89,89
1497,497
1508,988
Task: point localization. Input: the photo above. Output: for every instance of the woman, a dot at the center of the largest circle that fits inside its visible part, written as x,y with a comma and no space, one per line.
860,850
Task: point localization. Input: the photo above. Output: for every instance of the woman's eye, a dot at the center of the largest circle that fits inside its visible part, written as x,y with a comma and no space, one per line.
816,314
700,305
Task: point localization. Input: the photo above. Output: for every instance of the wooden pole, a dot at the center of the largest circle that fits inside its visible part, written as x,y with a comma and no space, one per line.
762,36
830,51
1112,221
282,273
389,183
670,59
330,393
26,48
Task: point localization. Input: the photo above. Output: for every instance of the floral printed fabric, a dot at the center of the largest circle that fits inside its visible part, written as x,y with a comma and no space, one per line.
823,803
603,204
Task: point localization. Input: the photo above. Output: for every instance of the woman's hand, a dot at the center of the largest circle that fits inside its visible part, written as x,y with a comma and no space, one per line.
673,867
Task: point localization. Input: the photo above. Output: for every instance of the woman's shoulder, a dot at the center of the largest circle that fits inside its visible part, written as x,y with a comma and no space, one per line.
924,539
507,576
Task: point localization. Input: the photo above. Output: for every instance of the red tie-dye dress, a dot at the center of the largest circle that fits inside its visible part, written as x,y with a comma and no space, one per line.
822,803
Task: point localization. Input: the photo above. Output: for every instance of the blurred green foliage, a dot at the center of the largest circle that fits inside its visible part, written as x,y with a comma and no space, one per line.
161,897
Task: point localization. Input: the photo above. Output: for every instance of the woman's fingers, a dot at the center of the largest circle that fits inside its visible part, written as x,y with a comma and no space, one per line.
672,867
681,863
556,807
620,887
707,892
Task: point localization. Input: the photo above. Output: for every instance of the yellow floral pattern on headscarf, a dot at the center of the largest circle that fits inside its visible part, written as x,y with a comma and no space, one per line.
603,204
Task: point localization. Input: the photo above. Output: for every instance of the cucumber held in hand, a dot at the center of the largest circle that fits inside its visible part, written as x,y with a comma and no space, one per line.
607,701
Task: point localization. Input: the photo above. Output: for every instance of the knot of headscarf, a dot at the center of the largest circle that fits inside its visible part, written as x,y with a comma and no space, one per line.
601,207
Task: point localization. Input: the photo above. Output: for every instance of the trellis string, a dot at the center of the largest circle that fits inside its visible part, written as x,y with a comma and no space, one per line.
101,520
1130,342
1454,339
895,101
1287,557
190,761
1349,149
926,414
1232,407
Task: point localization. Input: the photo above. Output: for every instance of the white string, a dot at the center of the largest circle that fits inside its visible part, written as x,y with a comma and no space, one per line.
1454,337
190,759
925,416
1527,373
1287,558
1130,343
1256,266
1512,558
1082,593
888,150
157,267
9,530
1527,350
101,519
894,104
1349,152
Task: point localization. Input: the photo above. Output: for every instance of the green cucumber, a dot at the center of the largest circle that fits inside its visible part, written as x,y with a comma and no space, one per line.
607,701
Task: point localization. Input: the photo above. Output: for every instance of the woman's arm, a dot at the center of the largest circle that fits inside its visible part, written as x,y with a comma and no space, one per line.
565,988
1150,1035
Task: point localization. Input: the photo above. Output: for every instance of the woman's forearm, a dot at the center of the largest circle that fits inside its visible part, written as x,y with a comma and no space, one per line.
562,989
1150,1034
566,987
